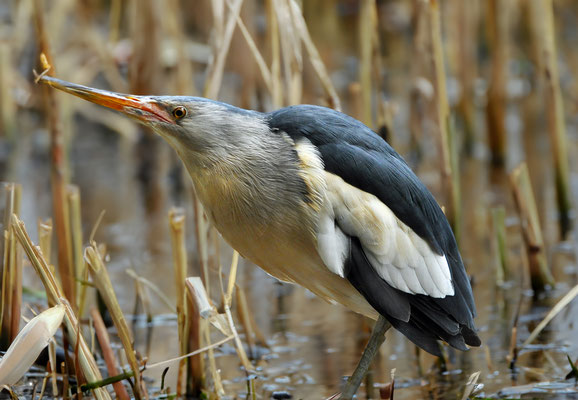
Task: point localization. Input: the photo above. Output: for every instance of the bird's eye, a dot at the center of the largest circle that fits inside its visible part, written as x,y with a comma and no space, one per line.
179,112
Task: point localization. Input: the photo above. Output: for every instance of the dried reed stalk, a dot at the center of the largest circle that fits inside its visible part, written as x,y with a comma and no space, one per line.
499,228
142,301
102,282
273,40
176,30
177,229
75,219
422,90
455,193
146,36
291,51
222,322
470,385
488,358
219,390
216,67
45,238
467,23
497,96
114,21
224,34
55,296
228,297
59,168
448,176
244,315
52,360
560,305
544,19
318,65
194,353
195,379
367,32
201,303
7,103
10,272
202,228
385,113
196,289
108,353
265,73
92,39
540,274
512,356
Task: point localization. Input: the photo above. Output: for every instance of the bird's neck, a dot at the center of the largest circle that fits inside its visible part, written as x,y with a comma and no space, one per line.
252,188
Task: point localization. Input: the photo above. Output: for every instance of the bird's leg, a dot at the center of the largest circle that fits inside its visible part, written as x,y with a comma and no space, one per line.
376,339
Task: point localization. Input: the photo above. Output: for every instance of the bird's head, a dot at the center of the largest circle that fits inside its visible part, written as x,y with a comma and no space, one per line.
199,129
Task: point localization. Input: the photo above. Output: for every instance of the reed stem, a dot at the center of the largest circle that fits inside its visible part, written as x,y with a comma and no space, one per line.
443,118
10,271
54,294
540,274
102,282
59,167
555,112
497,97
177,229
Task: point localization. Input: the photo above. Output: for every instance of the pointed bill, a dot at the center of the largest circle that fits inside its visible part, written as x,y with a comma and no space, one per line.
143,108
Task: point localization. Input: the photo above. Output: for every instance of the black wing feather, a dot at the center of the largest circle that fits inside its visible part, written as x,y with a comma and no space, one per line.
360,157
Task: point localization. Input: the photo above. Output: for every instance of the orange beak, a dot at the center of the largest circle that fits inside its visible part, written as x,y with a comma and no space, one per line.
142,108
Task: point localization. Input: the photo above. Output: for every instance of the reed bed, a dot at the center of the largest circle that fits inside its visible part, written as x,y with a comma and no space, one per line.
460,76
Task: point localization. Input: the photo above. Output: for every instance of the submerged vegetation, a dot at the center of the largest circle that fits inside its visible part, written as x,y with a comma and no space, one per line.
478,96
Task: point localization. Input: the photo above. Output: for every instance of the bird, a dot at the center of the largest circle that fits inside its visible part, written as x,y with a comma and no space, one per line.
316,198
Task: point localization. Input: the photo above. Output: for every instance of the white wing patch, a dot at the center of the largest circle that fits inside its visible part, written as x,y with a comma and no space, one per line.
332,243
402,258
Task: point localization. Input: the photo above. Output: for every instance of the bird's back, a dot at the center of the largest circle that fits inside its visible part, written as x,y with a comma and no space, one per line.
364,162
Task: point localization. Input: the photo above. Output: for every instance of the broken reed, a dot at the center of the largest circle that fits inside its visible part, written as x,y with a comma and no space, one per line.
10,271
55,296
498,215
540,274
45,237
102,282
177,230
195,381
107,353
75,242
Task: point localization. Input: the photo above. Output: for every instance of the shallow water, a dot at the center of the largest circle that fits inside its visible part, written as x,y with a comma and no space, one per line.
313,344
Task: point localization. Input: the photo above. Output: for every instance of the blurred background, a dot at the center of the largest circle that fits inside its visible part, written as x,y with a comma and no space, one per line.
476,95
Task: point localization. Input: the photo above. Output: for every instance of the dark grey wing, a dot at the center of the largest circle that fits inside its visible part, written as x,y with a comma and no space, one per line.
353,152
